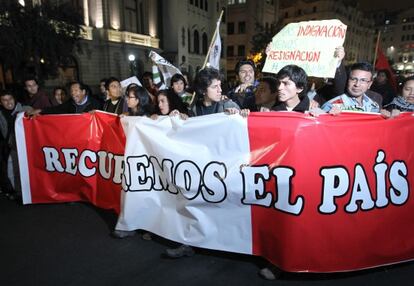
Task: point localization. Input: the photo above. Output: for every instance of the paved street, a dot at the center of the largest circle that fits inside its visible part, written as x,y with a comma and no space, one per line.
69,244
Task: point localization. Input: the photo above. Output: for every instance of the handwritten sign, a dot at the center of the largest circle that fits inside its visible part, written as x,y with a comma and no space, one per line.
310,45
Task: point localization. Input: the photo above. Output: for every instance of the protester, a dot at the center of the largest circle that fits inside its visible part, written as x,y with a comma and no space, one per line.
148,83
9,173
139,101
80,102
208,95
169,103
355,98
247,84
116,102
35,97
179,86
404,102
59,96
208,101
265,97
382,85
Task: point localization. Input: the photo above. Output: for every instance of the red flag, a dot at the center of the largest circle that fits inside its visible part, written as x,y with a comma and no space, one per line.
383,64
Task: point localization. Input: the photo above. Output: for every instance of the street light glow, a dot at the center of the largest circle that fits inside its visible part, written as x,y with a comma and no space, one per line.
131,58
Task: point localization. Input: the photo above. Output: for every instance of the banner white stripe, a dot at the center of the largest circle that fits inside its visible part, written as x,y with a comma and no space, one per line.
23,164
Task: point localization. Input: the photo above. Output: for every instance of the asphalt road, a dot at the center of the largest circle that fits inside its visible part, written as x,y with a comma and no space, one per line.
70,244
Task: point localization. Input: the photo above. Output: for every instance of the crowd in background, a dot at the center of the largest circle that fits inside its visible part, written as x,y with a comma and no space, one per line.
354,88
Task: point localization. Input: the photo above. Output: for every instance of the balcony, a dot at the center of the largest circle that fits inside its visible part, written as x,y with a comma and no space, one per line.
132,38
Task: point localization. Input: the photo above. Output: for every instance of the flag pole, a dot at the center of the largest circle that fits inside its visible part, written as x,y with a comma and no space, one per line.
376,48
213,39
209,50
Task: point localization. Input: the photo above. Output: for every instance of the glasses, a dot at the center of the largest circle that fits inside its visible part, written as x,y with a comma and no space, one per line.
360,80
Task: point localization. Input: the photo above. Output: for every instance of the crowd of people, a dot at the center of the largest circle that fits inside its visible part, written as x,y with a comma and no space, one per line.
353,89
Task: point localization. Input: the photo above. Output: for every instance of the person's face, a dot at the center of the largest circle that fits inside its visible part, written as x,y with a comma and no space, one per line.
381,78
263,94
408,91
59,95
8,102
114,90
102,87
163,104
77,94
147,82
288,90
178,86
214,91
132,101
246,74
359,82
31,87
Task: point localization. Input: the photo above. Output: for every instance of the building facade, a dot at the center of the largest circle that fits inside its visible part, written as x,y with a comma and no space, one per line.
188,27
243,18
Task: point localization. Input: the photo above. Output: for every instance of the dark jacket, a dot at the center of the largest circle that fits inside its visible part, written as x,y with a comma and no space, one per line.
70,107
301,107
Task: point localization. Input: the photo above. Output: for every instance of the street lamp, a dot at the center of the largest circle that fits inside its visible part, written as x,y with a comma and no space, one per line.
131,59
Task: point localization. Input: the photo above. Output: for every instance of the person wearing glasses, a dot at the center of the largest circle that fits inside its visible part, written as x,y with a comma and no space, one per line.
355,97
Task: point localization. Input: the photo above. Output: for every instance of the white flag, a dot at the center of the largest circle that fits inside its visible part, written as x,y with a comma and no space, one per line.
165,67
214,59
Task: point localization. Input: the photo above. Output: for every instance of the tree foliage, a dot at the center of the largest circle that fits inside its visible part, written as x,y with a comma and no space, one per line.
37,39
262,37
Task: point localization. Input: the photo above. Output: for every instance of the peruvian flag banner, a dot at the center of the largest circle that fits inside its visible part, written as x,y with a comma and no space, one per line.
311,194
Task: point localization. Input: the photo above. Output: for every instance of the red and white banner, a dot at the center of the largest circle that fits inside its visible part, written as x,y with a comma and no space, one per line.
309,194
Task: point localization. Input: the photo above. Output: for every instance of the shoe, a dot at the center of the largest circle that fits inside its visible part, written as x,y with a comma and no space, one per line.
181,251
270,273
147,236
123,233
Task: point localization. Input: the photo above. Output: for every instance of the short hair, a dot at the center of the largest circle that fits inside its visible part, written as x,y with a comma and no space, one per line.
203,80
271,81
405,80
103,80
31,77
109,81
147,73
82,86
177,77
242,63
363,66
297,75
5,92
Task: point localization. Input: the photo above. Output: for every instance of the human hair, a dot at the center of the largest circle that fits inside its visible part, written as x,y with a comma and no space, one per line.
174,101
384,71
82,86
243,62
31,77
109,81
363,66
5,92
144,102
103,80
271,81
203,80
177,77
407,79
147,73
297,75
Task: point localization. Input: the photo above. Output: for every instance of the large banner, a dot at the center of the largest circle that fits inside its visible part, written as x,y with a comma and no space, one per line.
309,44
323,194
66,158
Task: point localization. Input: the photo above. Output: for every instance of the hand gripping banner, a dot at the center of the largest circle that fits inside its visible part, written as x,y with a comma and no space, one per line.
323,194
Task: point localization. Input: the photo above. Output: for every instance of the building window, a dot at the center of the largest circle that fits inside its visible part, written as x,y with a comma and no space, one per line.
230,28
131,16
242,27
206,5
230,51
191,2
231,2
286,14
402,38
241,51
204,44
242,1
196,3
189,40
196,42
314,9
202,4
